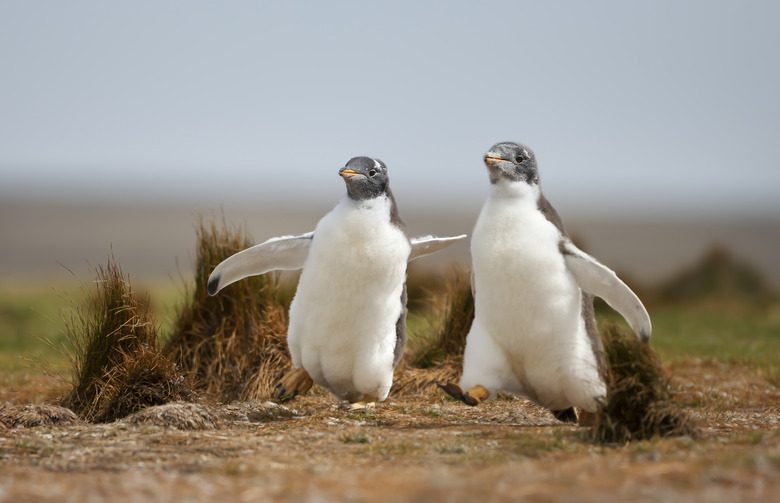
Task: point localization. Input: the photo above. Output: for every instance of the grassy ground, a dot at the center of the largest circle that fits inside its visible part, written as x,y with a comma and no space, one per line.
724,358
716,332
28,317
32,319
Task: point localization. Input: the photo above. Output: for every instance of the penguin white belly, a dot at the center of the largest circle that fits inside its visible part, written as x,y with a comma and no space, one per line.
343,317
528,305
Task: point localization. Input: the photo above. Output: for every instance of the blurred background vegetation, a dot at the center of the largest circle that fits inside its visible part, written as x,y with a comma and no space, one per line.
718,309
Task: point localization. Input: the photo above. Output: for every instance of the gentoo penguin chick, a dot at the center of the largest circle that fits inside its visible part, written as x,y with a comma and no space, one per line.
534,332
348,319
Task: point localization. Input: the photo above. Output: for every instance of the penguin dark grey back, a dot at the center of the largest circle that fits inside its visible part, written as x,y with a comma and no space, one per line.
513,162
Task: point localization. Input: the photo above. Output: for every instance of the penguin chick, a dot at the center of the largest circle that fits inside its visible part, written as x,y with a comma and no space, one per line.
347,326
534,332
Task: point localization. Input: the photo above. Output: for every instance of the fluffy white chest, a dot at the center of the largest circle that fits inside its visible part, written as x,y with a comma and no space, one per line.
343,317
525,296
528,335
357,249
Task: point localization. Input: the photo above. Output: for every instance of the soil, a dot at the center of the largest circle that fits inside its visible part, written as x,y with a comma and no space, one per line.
421,448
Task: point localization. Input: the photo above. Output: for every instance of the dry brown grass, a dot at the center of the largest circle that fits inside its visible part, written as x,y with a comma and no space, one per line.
436,352
452,313
232,345
118,367
639,404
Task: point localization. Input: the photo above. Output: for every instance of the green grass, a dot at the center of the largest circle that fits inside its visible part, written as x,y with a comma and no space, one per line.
737,333
30,316
32,329
718,336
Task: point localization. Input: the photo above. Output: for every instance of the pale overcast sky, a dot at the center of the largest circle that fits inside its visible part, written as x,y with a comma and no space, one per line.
628,105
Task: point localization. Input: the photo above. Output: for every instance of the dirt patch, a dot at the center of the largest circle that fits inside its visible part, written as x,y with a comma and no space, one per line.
407,449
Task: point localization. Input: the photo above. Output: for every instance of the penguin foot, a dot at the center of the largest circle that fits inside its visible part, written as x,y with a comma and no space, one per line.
366,403
293,384
358,406
473,396
565,415
451,389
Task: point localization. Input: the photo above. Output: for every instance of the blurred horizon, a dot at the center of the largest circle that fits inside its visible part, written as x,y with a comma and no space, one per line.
119,120
62,243
630,107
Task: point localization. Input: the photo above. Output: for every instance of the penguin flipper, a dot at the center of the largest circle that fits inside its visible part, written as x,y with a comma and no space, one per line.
285,253
598,279
425,245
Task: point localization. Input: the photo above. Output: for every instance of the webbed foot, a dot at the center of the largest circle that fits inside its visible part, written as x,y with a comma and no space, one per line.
358,406
293,384
474,396
366,403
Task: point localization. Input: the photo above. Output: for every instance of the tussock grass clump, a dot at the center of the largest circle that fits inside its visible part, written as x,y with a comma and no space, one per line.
118,366
718,274
144,378
639,402
234,344
409,381
438,356
454,309
422,283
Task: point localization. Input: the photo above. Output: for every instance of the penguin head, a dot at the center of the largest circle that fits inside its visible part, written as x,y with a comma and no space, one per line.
512,162
366,178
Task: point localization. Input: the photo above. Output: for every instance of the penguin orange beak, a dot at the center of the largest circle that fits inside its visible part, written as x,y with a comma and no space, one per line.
347,173
492,159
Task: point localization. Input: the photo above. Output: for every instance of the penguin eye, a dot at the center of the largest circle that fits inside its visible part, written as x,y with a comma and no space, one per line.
372,172
519,159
